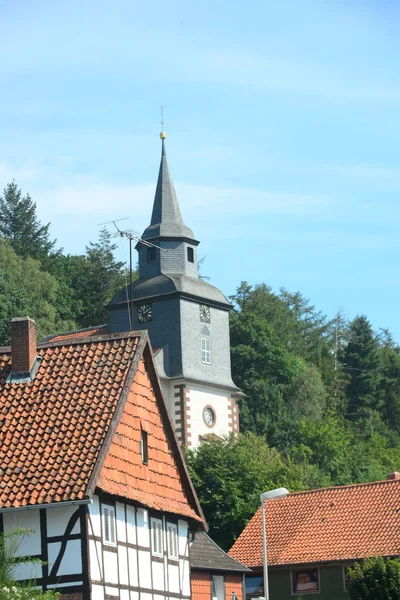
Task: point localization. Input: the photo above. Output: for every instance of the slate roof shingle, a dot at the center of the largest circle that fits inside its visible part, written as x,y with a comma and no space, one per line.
330,524
205,554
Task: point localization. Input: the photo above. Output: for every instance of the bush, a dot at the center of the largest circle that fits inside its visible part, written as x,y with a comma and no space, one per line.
375,579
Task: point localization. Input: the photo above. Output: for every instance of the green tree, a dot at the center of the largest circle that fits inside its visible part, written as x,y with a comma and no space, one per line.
390,381
20,225
375,579
100,278
11,544
27,290
361,364
261,367
229,476
280,388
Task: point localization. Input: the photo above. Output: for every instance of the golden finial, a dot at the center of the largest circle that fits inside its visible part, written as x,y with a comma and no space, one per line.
163,135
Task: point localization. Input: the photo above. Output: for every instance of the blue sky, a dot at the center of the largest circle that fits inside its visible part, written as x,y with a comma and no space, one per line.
283,129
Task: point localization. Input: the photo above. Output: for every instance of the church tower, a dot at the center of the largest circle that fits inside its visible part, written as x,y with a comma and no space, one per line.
187,320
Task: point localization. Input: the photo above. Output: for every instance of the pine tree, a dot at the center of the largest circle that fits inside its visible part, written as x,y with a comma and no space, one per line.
361,364
20,225
103,276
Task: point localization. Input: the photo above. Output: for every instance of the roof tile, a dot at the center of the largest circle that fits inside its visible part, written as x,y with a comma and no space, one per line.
330,524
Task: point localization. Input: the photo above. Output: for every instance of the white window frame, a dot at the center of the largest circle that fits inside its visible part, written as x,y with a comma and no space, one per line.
172,541
206,351
108,516
156,530
305,592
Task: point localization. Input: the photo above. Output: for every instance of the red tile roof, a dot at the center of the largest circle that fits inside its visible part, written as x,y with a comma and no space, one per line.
55,432
157,484
331,524
79,333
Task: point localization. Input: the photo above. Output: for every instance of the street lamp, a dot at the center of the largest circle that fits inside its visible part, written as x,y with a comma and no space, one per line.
272,495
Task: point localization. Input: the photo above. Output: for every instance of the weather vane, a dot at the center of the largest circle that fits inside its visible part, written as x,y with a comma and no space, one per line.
163,135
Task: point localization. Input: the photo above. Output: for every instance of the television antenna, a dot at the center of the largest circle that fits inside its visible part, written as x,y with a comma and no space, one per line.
132,236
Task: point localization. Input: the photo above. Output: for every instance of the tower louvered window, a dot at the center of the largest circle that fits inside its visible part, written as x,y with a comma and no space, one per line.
206,351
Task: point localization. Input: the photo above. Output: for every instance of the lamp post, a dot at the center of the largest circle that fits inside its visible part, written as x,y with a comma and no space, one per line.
272,495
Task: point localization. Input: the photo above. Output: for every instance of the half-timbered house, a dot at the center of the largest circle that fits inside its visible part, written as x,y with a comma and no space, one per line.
90,465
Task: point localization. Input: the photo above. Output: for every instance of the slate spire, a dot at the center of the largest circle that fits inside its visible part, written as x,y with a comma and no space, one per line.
166,218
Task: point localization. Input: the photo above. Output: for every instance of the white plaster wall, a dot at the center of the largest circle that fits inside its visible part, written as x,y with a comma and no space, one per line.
97,592
200,397
183,538
184,574
144,569
27,571
95,520
95,560
133,568
158,575
72,560
30,543
57,519
173,579
123,565
131,524
110,567
121,523
143,534
112,591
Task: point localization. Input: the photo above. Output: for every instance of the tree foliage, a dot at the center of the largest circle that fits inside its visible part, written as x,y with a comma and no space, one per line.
27,290
375,579
11,557
20,225
229,476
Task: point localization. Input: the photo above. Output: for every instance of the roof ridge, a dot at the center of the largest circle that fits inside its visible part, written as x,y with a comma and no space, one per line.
341,487
73,331
74,341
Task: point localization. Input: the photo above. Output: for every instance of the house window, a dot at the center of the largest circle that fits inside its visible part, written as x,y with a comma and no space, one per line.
206,351
172,541
156,537
305,581
144,448
108,514
218,587
151,254
190,254
254,587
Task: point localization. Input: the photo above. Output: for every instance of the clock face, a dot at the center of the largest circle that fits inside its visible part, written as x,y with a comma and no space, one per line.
145,313
204,313
209,416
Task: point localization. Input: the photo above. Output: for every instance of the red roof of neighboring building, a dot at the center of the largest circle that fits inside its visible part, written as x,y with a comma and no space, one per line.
79,333
330,524
58,433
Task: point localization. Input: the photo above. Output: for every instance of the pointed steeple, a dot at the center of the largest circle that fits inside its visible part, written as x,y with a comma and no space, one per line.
166,218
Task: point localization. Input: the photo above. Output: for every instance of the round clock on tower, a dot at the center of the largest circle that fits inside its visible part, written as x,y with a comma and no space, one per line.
187,320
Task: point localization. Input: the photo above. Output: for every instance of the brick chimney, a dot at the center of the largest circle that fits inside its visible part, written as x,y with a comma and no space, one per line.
393,476
23,345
